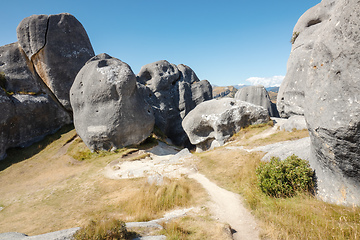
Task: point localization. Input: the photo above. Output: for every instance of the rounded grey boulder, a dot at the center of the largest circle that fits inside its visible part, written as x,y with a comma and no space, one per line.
58,46
259,96
212,122
108,110
172,91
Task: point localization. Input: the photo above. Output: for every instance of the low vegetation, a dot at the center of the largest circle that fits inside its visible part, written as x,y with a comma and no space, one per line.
58,184
299,217
151,201
104,230
285,178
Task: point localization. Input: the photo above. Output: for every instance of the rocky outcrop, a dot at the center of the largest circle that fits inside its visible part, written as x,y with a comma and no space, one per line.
58,46
29,111
259,96
325,62
172,91
109,112
212,122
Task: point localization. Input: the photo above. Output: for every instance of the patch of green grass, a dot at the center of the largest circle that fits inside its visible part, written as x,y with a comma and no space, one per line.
294,37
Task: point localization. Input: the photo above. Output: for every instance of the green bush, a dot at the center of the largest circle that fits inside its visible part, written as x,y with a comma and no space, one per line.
285,178
104,230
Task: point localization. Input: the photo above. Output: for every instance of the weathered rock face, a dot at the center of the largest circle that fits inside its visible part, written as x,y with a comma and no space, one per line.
29,111
291,97
108,110
212,122
259,96
172,91
58,46
330,77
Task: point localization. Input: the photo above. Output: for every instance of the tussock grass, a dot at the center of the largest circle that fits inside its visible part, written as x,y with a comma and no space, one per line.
196,227
151,201
299,217
104,229
46,188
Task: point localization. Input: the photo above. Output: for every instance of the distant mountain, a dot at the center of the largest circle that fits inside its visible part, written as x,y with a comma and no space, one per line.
273,89
227,91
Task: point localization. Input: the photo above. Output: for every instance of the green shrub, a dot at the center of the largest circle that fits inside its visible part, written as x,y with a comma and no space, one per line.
285,178
104,230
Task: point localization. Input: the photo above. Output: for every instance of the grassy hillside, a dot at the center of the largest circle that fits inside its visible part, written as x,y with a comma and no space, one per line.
58,184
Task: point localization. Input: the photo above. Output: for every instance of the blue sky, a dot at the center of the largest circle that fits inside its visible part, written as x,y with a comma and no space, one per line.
225,42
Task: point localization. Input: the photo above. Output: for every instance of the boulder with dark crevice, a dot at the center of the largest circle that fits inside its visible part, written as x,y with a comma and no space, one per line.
29,111
172,91
58,47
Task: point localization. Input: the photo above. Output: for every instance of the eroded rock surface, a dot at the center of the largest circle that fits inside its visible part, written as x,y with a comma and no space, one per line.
212,122
172,91
29,111
325,63
108,110
259,96
58,46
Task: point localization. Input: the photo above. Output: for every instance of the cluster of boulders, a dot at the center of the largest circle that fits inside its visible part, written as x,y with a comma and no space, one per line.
110,106
36,74
322,83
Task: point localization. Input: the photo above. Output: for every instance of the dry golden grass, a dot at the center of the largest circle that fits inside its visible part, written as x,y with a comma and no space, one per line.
152,201
197,226
245,136
301,217
51,190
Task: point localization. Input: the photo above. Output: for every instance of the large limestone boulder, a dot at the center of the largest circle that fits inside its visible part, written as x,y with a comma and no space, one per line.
328,46
108,110
172,91
58,46
291,96
29,111
259,96
212,122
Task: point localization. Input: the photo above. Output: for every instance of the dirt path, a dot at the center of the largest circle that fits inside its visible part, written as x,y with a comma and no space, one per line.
228,207
164,161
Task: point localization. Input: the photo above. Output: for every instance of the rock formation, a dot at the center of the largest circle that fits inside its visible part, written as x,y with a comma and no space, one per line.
29,111
58,46
36,74
172,91
212,122
324,68
109,112
259,96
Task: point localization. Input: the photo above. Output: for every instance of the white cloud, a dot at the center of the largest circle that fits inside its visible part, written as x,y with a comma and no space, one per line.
274,81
